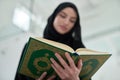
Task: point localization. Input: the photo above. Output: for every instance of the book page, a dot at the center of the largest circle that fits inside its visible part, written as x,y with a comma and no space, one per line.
56,44
85,51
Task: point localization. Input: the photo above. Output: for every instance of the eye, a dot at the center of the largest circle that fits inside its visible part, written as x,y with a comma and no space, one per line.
62,15
72,21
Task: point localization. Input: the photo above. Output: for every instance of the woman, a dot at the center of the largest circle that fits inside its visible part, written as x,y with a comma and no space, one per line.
63,26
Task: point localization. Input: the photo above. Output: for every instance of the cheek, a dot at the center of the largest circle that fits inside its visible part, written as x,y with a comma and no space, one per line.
71,26
54,23
57,21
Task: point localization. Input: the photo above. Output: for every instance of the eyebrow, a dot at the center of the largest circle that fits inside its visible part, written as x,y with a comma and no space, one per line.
66,15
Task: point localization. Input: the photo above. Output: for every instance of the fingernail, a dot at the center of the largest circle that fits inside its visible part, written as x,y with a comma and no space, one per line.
51,59
45,73
56,53
66,52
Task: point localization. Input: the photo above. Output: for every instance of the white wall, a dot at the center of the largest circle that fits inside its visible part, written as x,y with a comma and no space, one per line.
10,51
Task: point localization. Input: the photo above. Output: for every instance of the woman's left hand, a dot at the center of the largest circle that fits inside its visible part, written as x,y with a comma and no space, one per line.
67,71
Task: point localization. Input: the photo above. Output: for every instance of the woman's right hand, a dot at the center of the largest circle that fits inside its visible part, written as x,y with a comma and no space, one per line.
44,75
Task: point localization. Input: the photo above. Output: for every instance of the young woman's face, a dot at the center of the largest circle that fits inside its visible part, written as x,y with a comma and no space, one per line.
65,20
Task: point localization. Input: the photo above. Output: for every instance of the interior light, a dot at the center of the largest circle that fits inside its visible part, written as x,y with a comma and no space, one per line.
21,19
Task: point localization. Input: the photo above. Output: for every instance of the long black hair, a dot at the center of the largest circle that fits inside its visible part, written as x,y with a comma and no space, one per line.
72,38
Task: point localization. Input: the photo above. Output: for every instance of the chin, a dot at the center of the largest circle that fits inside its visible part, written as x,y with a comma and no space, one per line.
62,32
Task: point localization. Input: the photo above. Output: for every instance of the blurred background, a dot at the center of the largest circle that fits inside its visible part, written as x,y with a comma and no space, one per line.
20,19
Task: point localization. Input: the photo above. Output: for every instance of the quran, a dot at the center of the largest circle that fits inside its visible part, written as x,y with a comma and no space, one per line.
36,58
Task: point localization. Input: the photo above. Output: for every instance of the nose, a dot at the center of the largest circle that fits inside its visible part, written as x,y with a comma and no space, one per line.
66,21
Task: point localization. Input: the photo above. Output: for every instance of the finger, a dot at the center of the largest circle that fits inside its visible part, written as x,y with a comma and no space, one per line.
42,76
58,69
80,64
62,61
52,77
57,66
70,60
60,74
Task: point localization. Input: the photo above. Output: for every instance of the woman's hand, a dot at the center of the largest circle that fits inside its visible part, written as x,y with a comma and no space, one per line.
67,71
44,75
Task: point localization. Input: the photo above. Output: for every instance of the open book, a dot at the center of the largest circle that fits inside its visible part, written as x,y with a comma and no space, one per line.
36,58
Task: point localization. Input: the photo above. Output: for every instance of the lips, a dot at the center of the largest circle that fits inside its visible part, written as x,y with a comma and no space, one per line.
63,28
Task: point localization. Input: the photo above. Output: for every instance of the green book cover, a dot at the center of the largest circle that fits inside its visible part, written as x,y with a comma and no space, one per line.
36,58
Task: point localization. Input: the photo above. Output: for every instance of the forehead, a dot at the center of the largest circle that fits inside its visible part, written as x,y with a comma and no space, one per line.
69,11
